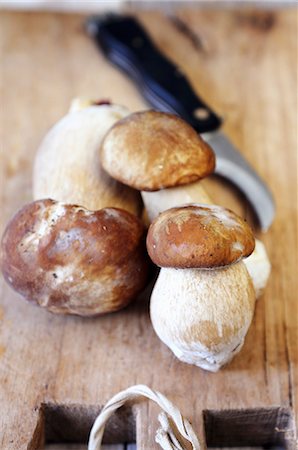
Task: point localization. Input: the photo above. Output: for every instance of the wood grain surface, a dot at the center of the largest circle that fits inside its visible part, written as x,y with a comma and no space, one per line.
57,372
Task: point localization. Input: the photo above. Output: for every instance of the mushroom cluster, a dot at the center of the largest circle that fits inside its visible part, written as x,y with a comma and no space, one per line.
79,248
163,157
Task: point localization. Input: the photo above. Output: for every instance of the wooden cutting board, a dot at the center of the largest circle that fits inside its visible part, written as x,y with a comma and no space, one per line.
57,372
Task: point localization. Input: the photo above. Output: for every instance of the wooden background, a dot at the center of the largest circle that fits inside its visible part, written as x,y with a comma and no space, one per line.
244,63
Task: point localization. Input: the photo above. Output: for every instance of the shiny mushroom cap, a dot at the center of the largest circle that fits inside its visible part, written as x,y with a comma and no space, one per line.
199,236
72,260
153,150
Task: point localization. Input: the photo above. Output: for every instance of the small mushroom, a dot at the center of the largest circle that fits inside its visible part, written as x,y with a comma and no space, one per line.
203,301
67,166
70,260
160,155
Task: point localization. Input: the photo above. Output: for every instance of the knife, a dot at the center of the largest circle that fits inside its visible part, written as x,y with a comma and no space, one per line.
125,43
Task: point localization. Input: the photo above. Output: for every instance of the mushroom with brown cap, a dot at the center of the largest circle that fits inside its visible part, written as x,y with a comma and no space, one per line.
160,155
203,301
70,260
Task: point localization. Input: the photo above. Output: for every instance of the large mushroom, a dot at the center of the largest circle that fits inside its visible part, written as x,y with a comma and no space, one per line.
70,260
67,166
203,301
160,155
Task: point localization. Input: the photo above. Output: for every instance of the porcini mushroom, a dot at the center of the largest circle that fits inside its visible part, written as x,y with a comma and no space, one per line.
67,166
70,260
203,301
160,155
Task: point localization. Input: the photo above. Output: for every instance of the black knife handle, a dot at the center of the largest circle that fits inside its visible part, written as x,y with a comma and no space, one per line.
164,86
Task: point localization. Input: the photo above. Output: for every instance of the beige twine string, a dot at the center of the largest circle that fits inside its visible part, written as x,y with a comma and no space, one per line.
166,436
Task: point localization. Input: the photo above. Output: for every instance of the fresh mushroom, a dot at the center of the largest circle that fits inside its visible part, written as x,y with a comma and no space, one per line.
160,155
67,166
74,261
203,301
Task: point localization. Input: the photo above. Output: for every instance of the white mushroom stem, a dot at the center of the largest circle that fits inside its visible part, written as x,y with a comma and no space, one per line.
157,201
258,264
203,315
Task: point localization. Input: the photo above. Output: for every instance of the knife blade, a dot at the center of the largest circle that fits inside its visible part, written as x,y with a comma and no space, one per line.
126,44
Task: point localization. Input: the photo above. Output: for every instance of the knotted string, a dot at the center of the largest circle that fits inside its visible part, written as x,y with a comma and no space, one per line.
167,436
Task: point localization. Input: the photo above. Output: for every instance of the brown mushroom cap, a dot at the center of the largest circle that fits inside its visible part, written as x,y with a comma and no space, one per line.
199,236
72,260
153,150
